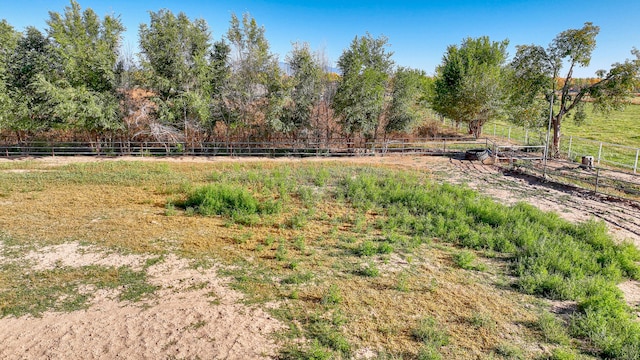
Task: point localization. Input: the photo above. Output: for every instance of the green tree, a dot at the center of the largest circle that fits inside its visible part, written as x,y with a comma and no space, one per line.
469,84
174,51
359,100
572,48
8,42
303,92
85,98
33,56
408,94
255,81
87,45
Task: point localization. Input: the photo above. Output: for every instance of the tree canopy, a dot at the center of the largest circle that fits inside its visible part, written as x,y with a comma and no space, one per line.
359,101
469,85
537,70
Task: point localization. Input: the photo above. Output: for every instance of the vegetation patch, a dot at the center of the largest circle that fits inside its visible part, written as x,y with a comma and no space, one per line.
65,288
373,265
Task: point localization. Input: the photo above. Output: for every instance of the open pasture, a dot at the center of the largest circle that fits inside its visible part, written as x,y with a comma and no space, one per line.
356,258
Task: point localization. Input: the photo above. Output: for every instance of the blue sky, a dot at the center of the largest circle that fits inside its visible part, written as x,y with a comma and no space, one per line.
418,31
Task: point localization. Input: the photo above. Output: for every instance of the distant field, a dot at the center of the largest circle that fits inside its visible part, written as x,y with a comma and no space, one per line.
618,127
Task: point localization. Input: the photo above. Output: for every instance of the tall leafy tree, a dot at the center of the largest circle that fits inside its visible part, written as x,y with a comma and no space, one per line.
85,98
8,41
541,70
256,80
359,100
409,89
175,50
304,92
33,56
469,84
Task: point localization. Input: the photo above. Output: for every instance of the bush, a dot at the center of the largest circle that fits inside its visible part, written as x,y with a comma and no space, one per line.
222,200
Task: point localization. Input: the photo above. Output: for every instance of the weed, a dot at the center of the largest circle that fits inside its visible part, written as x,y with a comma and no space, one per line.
269,240
332,296
298,278
298,221
429,352
552,328
465,260
328,335
222,199
281,252
384,248
369,270
57,289
366,248
299,243
170,209
315,351
510,351
430,333
563,354
403,282
482,320
197,325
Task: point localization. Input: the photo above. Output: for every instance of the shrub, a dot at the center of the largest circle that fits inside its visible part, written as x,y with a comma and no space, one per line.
222,200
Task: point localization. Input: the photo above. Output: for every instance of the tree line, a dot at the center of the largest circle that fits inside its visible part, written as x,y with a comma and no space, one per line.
75,80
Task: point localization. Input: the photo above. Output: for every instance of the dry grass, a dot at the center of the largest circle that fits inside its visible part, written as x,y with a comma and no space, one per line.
81,203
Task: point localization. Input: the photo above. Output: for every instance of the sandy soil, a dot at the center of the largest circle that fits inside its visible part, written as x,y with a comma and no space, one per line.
185,321
193,315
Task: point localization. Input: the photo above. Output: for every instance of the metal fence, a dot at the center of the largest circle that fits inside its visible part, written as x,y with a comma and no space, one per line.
597,179
604,153
573,148
338,147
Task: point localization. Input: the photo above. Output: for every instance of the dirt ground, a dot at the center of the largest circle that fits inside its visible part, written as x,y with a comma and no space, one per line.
212,318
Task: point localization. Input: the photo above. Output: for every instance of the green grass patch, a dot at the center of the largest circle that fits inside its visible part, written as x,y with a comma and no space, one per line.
59,289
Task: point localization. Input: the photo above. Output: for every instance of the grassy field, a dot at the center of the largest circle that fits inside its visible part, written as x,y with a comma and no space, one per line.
618,127
356,258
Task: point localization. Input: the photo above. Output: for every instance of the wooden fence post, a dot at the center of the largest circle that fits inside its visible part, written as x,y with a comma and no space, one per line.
635,165
599,153
569,152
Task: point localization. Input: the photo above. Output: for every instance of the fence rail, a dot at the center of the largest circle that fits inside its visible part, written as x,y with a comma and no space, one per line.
597,179
246,148
605,154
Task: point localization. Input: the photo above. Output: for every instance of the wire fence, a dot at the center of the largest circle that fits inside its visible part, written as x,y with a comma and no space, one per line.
600,180
573,148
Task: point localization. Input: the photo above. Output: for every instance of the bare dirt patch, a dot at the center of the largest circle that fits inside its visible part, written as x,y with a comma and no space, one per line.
193,314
